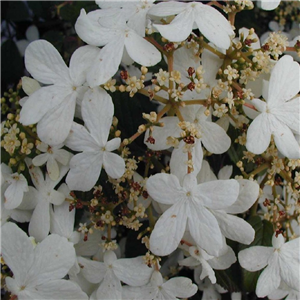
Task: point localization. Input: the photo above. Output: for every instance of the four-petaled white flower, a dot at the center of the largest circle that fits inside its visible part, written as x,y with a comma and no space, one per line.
280,113
53,106
282,261
85,168
52,155
192,204
108,28
38,271
212,24
112,271
15,186
174,288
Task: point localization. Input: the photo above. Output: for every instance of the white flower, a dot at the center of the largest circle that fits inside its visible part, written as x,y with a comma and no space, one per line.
16,186
32,34
38,271
280,113
207,262
53,106
107,27
191,204
85,168
269,4
282,261
112,271
52,155
174,288
212,24
136,11
45,195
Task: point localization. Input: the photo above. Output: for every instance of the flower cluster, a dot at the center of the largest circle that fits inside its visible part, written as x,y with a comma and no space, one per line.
210,177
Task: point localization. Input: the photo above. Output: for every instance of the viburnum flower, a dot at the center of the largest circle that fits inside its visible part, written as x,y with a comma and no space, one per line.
16,186
191,204
279,115
136,11
212,136
97,113
112,271
282,261
207,262
45,195
269,4
53,106
52,156
211,23
38,271
174,288
107,27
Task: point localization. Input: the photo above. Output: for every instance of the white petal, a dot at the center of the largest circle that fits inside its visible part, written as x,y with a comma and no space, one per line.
62,156
255,258
269,5
213,25
217,194
259,134
79,139
97,112
58,289
45,64
179,29
32,33
224,261
40,159
29,85
113,144
80,63
114,164
52,168
14,193
54,257
36,174
284,81
225,172
93,271
204,229
85,169
132,271
22,45
107,62
41,102
39,225
169,8
206,174
110,288
288,113
269,279
56,197
180,287
89,30
235,228
55,126
249,192
169,230
17,251
214,138
286,142
62,220
165,188
140,50
289,262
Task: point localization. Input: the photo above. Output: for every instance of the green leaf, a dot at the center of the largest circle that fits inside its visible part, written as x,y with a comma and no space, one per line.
71,11
263,237
17,11
229,278
12,63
